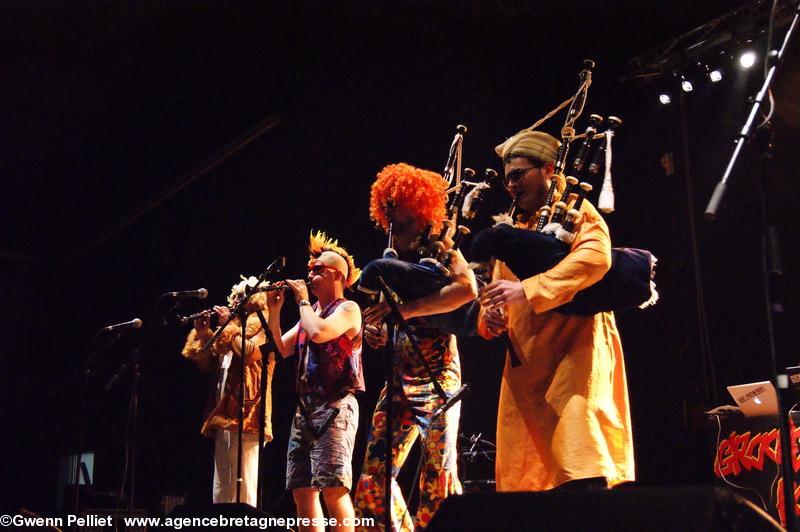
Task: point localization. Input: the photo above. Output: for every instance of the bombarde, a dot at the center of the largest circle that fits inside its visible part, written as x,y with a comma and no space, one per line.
209,312
280,285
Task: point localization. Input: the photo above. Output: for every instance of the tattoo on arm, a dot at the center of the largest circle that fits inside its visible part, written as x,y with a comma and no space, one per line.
349,306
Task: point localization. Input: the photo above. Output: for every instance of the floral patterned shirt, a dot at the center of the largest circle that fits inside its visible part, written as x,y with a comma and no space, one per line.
331,368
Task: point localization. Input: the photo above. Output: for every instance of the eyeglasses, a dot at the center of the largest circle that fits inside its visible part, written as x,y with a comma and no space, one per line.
317,269
518,174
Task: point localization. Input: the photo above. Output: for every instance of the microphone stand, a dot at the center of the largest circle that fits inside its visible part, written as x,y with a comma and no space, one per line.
770,266
133,365
267,348
83,373
242,390
388,362
745,134
241,311
469,457
394,321
85,376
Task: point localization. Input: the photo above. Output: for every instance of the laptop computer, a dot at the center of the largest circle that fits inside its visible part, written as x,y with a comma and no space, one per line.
756,398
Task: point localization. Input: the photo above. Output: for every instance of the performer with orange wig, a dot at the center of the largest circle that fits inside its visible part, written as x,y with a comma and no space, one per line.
410,199
327,340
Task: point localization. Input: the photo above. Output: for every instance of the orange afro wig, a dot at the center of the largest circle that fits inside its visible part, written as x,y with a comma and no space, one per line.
319,243
420,194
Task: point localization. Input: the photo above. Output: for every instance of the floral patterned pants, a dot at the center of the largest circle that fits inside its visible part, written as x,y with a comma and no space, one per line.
438,473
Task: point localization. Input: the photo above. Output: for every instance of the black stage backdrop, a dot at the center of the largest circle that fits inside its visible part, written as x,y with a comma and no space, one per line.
107,105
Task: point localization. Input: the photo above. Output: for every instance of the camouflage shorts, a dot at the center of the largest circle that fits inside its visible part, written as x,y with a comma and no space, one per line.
324,461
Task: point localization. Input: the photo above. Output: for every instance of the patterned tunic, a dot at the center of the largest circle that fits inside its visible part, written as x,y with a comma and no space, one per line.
332,368
222,409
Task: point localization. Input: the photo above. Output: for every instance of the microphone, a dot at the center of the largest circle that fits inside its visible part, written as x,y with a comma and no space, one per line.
200,293
133,324
453,399
276,266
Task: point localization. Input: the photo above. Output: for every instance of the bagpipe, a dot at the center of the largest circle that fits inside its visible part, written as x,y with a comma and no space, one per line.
629,281
436,252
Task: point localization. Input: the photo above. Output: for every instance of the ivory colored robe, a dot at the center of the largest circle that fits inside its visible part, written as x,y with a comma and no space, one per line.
564,413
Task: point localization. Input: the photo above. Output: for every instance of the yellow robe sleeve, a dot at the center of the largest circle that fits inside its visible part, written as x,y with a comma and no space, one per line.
204,360
255,337
587,262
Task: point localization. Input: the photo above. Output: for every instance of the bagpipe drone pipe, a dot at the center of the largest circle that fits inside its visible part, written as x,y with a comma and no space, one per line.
629,281
432,272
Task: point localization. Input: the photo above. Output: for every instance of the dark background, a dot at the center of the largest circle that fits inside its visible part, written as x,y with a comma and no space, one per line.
105,105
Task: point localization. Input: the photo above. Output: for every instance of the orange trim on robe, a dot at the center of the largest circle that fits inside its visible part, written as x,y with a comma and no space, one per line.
564,413
222,413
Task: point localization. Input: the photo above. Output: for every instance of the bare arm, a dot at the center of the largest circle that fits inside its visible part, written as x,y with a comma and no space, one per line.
346,319
283,342
461,290
252,352
286,342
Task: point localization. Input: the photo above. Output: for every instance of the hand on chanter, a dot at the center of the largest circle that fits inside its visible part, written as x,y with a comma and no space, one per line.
500,293
299,288
375,314
496,321
275,299
202,324
223,313
376,336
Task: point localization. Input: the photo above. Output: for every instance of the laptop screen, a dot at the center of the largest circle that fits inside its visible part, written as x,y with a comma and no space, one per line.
755,398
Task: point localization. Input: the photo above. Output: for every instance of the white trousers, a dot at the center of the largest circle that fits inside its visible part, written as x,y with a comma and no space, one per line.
225,462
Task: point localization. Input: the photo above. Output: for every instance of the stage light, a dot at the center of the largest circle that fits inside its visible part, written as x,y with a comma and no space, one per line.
664,98
686,85
715,75
747,59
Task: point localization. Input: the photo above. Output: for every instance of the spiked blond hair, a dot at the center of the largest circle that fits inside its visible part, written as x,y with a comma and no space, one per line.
318,243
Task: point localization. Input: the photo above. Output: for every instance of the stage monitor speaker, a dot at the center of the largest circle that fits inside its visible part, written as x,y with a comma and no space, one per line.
634,509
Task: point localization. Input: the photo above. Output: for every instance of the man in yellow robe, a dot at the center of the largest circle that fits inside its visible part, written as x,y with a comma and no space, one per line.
563,418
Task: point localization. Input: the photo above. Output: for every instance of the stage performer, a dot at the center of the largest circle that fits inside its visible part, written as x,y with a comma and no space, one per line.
563,418
223,361
411,198
327,340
